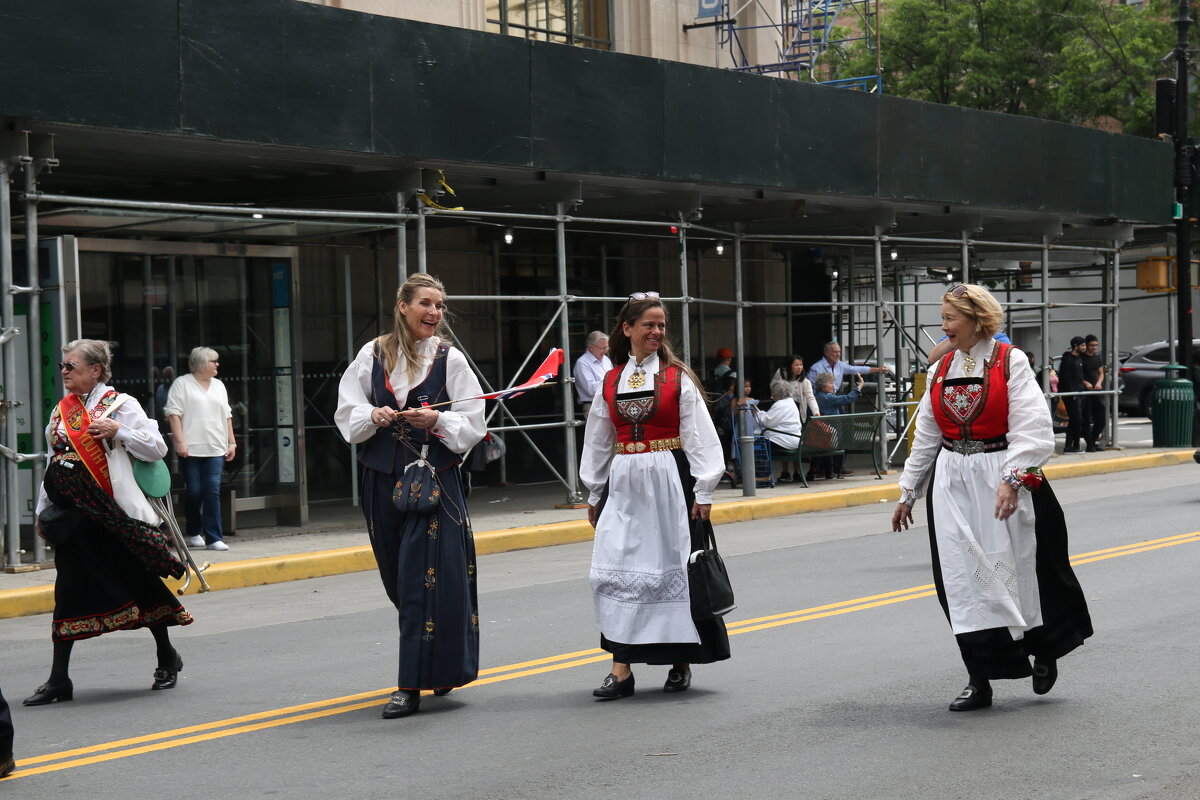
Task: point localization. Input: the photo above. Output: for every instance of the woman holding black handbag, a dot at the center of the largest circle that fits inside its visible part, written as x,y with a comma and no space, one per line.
651,460
412,490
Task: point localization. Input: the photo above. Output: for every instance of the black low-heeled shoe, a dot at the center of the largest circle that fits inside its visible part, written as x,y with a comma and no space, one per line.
7,765
612,688
678,681
1045,673
972,697
443,692
402,704
167,678
47,694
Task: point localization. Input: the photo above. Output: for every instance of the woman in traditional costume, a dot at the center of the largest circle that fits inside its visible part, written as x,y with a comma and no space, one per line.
426,560
996,530
108,565
651,459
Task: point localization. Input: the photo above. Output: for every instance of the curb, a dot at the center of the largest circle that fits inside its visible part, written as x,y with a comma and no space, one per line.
323,563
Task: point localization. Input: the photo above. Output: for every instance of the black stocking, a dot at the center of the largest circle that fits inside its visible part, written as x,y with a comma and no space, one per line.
60,668
162,642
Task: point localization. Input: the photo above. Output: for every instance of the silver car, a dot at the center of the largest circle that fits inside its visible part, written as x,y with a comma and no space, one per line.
1139,372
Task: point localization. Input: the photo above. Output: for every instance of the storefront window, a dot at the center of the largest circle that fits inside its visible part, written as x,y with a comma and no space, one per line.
585,23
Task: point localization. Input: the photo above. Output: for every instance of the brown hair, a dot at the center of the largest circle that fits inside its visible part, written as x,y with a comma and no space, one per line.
401,336
618,342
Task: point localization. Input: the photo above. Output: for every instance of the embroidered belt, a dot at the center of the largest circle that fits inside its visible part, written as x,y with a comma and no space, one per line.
67,455
652,446
970,447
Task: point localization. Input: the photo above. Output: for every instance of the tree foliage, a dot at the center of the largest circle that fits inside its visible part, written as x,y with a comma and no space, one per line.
1089,62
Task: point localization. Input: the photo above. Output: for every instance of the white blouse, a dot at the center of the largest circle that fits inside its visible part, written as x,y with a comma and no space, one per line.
138,433
1030,431
461,425
696,430
801,391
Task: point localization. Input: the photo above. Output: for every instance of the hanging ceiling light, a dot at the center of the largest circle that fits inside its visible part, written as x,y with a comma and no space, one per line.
895,254
508,236
720,248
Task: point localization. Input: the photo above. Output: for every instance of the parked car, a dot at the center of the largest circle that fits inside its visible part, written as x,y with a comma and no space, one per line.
1139,372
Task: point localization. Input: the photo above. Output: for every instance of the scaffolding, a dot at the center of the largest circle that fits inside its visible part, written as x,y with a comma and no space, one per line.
869,305
804,32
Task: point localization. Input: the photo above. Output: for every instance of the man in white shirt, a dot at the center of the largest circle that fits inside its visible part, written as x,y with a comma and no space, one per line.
590,368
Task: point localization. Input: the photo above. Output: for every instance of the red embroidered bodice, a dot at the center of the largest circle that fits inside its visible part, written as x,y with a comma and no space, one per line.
973,408
645,415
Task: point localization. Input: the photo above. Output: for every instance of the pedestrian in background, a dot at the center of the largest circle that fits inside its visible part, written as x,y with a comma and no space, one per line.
202,430
651,460
1070,379
426,559
831,403
997,534
1093,407
590,368
789,382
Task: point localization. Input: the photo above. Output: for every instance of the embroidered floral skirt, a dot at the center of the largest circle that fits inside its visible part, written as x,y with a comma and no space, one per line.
427,565
100,586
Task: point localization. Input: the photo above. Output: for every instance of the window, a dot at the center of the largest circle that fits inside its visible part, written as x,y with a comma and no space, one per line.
585,23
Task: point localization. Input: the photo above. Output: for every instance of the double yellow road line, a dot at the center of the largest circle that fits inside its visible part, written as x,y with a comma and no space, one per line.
264,720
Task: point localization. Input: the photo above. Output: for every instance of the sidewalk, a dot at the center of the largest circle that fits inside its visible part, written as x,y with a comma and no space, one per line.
514,518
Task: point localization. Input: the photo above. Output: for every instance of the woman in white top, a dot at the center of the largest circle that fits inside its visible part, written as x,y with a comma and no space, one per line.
426,560
790,381
997,533
202,429
651,459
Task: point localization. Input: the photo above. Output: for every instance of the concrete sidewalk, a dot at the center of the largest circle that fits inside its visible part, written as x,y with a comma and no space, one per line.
514,518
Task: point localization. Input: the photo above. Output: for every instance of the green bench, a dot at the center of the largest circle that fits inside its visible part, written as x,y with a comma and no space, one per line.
835,435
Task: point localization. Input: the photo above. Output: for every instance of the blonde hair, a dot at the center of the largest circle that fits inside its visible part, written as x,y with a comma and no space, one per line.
401,338
977,303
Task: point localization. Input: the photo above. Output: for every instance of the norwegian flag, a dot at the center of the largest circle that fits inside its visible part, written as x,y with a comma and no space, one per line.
545,371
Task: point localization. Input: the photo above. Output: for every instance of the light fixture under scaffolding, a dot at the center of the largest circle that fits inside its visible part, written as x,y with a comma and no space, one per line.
508,236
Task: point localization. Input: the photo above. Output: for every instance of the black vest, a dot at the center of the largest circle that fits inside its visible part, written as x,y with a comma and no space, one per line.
384,451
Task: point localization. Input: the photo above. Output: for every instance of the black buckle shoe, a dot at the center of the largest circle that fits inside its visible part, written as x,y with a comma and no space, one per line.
1045,673
972,698
7,765
167,678
612,688
402,704
46,694
443,691
678,681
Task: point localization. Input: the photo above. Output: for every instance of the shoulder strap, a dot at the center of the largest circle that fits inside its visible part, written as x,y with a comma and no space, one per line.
116,403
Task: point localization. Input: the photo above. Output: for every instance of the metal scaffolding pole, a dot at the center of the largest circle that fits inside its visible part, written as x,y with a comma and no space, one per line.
746,440
1046,321
686,312
401,240
965,255
350,353
879,310
571,472
421,263
12,491
36,424
1113,362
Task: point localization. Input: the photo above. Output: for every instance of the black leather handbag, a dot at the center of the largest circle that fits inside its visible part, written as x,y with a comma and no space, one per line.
57,524
418,491
708,580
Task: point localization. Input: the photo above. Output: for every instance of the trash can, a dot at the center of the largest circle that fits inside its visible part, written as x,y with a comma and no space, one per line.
1171,409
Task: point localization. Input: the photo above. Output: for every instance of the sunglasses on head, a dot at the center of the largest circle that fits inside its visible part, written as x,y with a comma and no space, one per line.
644,296
959,291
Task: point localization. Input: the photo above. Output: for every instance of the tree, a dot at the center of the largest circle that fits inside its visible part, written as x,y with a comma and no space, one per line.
1080,61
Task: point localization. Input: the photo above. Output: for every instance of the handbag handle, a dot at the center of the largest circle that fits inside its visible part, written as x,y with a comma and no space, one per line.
710,538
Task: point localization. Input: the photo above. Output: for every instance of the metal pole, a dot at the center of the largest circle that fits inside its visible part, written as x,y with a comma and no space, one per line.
1046,322
966,258
12,489
746,440
401,240
572,468
349,362
686,316
605,309
879,310
1114,327
36,425
1183,194
500,379
700,347
421,262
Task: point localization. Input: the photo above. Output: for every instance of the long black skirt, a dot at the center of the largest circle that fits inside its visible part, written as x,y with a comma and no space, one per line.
100,586
1066,623
427,565
714,639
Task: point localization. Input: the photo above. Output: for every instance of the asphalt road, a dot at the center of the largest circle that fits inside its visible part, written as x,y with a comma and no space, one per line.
842,669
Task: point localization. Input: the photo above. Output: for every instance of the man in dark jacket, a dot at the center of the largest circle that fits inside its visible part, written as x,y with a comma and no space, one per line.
1070,379
1093,405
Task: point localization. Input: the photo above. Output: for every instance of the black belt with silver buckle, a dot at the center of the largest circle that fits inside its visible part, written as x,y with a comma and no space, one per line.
970,447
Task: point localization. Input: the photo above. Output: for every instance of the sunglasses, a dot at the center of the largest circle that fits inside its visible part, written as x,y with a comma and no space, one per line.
644,296
67,365
959,291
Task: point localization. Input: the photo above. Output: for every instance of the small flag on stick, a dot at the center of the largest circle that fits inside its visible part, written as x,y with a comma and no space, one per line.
544,372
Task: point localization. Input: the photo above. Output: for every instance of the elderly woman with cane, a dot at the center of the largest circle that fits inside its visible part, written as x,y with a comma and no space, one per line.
996,531
108,564
651,460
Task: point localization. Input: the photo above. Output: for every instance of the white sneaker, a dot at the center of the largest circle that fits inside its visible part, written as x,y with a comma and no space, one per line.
195,541
218,545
